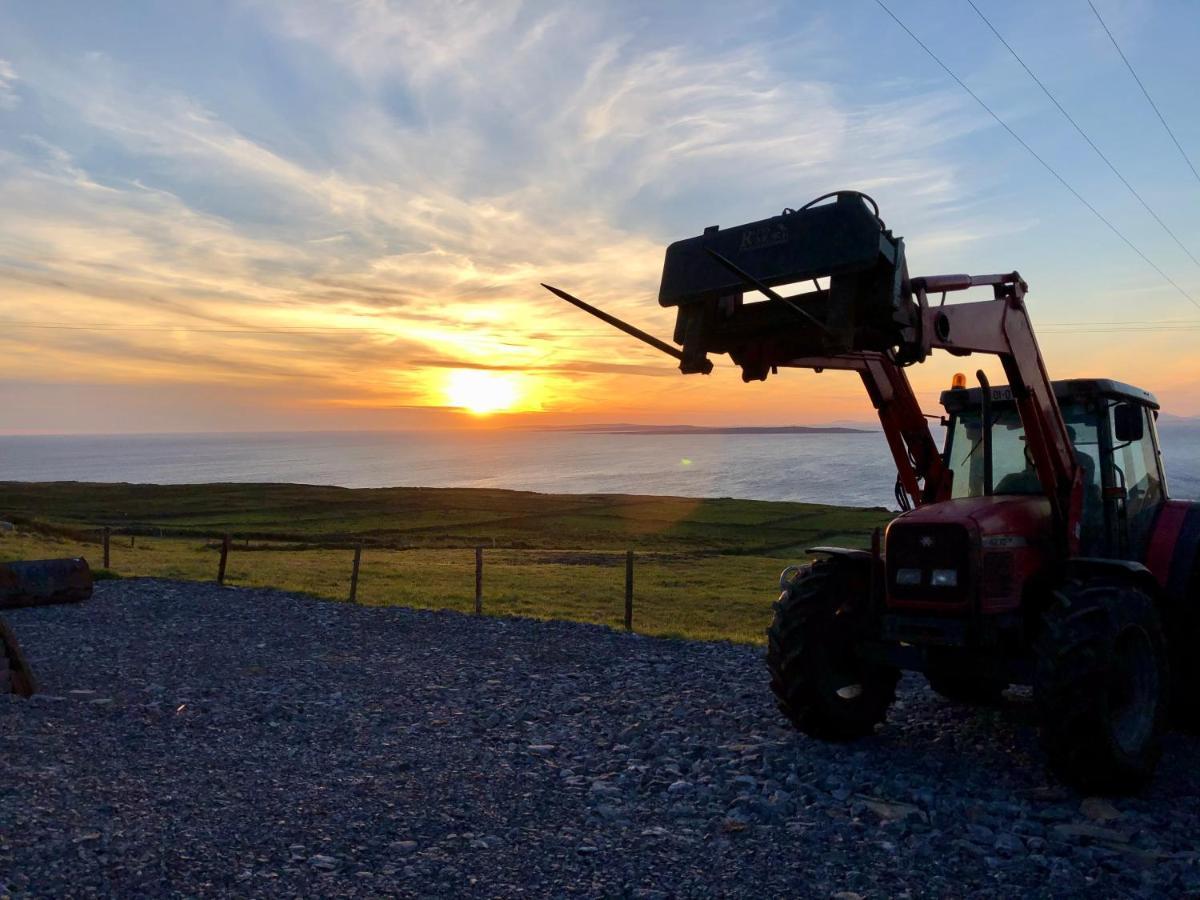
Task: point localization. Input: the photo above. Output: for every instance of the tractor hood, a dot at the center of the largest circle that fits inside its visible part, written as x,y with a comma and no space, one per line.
989,547
1023,516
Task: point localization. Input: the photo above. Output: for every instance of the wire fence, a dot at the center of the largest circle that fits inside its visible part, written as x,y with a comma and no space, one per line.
677,594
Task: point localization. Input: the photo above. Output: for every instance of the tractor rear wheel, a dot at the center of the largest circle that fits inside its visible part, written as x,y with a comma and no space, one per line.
1184,630
1101,684
820,682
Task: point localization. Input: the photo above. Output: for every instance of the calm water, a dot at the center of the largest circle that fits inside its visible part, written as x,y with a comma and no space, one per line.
823,468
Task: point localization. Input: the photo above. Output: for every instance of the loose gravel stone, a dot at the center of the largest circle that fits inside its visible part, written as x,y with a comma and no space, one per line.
260,743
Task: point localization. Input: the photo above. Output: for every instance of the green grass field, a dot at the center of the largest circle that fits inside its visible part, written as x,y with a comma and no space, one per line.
704,568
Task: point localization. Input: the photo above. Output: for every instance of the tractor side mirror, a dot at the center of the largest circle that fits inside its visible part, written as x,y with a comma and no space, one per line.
1129,423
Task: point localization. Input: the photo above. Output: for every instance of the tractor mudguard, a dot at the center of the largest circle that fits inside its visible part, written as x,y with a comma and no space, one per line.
843,552
1174,552
788,576
1134,572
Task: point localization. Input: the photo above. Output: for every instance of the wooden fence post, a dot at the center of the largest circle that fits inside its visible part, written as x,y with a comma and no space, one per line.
629,590
478,581
354,572
224,559
107,541
132,541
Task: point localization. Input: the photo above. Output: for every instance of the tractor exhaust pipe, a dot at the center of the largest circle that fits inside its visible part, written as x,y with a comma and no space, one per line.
985,414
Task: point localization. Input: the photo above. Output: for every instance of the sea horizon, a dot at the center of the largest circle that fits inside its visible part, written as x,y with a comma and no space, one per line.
808,467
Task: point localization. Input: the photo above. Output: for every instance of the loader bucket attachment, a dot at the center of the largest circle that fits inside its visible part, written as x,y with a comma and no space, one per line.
867,304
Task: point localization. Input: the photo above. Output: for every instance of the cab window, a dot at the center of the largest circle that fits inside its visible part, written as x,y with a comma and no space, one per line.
1010,465
1013,471
1135,468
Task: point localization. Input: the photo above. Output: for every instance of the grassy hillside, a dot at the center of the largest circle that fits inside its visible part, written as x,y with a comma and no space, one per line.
439,517
704,568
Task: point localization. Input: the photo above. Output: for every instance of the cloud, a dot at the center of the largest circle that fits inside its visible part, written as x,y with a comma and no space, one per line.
9,99
531,146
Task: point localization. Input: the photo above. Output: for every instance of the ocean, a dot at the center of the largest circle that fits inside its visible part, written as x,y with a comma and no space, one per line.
848,469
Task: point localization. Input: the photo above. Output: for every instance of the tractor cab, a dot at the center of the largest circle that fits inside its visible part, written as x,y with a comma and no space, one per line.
1112,430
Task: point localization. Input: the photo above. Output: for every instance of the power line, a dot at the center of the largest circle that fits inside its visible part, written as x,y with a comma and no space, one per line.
1149,99
1165,326
1045,165
1082,133
1186,329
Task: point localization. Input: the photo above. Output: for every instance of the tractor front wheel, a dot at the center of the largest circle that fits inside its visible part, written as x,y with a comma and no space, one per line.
1102,684
819,680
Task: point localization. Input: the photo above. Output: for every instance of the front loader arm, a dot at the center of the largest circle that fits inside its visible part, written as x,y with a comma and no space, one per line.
1002,327
919,464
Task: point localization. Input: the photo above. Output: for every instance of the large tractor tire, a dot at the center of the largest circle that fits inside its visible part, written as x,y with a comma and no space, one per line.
1102,685
1184,630
819,680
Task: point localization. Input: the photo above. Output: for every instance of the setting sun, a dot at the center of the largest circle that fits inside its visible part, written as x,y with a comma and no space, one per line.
480,391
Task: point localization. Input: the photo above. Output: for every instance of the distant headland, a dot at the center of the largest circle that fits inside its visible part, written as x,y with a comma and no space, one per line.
714,429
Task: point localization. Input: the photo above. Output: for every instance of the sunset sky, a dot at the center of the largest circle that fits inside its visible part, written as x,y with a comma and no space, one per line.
309,215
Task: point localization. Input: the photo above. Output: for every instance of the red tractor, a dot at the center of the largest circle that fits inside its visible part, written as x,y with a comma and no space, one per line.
1037,547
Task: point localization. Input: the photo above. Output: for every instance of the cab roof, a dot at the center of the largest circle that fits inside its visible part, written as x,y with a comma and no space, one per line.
958,399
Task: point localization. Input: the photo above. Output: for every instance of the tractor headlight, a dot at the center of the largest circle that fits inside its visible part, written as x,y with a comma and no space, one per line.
944,578
908,576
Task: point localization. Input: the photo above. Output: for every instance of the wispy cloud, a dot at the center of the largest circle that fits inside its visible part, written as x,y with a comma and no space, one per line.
8,85
452,156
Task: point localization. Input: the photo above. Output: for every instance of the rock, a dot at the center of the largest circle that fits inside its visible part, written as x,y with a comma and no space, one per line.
1090,832
403,848
924,797
1009,844
891,811
1046,794
325,863
1098,809
679,787
981,834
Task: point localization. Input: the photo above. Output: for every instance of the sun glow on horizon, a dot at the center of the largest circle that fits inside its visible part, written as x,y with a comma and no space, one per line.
482,392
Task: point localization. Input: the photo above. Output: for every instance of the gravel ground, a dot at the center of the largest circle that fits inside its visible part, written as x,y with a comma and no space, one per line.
198,740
